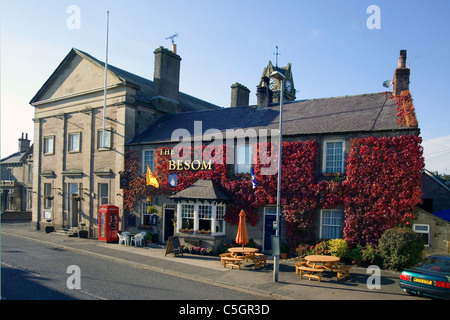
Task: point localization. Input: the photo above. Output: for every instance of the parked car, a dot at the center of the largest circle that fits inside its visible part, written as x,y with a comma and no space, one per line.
430,277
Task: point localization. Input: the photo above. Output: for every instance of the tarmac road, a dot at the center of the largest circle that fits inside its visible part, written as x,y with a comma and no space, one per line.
208,270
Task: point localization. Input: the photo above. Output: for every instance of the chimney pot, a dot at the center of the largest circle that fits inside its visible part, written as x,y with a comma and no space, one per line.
24,143
402,59
401,75
239,95
167,74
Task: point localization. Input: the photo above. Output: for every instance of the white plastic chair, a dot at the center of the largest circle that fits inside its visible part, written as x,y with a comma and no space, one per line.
138,239
123,238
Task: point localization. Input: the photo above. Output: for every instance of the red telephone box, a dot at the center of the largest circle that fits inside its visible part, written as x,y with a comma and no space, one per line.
108,223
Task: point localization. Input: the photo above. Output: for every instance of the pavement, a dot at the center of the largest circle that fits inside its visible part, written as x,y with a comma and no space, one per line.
208,269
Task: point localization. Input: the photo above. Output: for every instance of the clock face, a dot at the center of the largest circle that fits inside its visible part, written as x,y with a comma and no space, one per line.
288,86
271,83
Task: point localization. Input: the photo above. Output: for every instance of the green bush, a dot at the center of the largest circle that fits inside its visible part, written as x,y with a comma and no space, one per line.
337,247
370,256
320,249
355,255
400,248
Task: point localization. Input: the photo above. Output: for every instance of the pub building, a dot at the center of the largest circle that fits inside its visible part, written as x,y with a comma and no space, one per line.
152,126
204,209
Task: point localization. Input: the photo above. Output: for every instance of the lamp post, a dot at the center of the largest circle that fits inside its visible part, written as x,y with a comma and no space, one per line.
279,76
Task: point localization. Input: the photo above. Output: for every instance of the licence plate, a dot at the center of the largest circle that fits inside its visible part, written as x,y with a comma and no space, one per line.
425,281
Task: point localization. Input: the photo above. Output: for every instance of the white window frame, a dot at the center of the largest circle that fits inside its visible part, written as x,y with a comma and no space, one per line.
245,167
47,192
205,212
49,145
29,199
100,139
100,197
71,148
325,156
219,219
146,161
331,225
196,214
427,231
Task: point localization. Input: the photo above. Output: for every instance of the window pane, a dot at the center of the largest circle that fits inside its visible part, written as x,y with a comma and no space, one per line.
331,224
243,159
74,142
48,145
103,193
104,140
149,156
334,157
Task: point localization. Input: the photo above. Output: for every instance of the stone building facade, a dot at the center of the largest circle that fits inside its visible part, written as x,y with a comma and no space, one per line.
16,181
75,170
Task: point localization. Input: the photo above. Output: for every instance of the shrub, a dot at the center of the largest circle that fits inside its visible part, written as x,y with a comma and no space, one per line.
370,255
301,250
355,254
320,249
337,247
400,248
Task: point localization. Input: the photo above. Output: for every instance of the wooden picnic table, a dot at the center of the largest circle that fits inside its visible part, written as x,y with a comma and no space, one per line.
316,264
326,262
241,253
242,250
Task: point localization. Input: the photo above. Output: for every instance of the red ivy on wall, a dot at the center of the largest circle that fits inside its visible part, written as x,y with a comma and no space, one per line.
405,110
383,186
381,190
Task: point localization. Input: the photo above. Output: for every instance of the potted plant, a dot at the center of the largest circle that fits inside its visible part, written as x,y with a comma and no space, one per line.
149,238
284,250
152,210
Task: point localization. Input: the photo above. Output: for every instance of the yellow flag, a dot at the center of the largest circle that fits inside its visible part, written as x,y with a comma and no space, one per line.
151,180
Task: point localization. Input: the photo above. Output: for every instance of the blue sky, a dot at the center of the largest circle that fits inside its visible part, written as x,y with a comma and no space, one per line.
332,51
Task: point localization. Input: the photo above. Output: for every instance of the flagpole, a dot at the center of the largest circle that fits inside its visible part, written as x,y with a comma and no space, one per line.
106,82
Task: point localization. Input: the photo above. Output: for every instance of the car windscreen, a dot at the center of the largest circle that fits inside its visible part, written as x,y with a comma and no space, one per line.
434,264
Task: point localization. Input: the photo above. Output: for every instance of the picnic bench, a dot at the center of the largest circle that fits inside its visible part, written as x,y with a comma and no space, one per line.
232,262
315,265
311,272
341,270
259,260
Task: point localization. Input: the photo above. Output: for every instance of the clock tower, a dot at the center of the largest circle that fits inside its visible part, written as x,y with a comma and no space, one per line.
275,86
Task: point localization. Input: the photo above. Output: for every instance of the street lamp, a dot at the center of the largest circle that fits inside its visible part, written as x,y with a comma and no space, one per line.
279,76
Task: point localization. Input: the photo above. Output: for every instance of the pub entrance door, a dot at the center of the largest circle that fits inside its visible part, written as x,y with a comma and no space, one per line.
169,215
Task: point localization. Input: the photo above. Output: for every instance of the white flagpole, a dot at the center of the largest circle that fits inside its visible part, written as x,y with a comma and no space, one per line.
106,80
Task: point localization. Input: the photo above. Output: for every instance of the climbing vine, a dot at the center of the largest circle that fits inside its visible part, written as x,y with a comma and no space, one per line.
382,187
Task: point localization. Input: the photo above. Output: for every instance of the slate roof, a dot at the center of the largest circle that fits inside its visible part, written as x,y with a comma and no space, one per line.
145,87
336,115
202,190
444,214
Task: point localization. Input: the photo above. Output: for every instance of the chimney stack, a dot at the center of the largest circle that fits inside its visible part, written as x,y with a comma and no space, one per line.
263,93
167,74
24,143
239,95
401,75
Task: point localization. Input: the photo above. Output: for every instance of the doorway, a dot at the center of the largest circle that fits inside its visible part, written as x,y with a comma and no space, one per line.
169,215
270,215
73,204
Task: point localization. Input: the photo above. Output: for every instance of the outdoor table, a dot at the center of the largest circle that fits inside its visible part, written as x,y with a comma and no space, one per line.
327,261
242,250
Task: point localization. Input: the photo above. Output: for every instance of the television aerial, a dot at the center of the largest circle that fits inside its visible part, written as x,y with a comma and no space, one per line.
172,37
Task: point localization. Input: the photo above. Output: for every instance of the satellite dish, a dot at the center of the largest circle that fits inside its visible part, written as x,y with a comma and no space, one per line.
387,83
